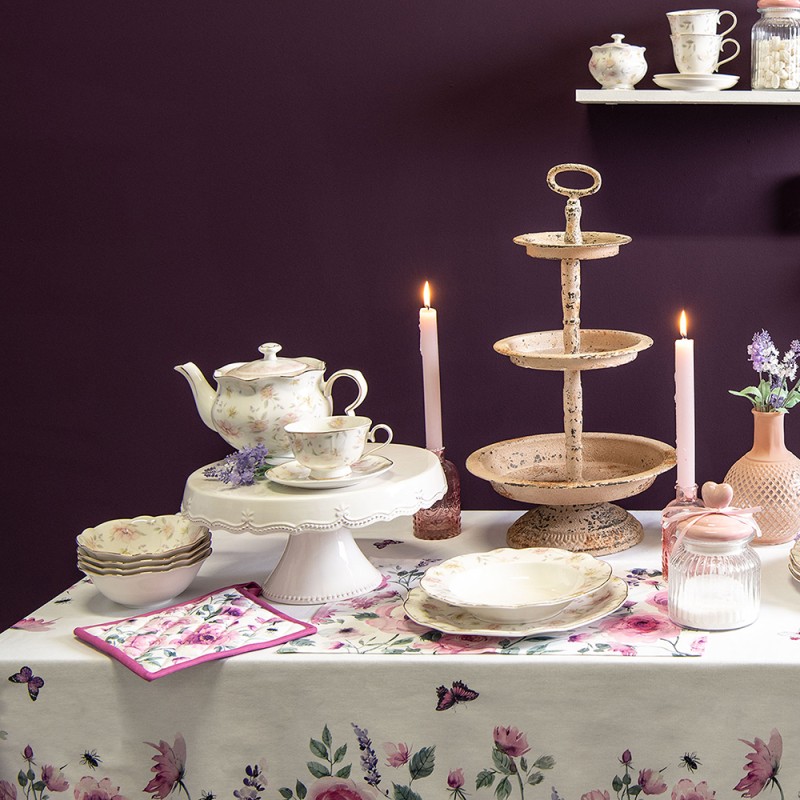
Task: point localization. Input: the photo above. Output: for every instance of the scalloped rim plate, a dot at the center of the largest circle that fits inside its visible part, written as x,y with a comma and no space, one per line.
294,474
432,613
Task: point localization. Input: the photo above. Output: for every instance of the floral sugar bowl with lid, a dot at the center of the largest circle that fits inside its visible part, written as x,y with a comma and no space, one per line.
617,65
714,575
254,400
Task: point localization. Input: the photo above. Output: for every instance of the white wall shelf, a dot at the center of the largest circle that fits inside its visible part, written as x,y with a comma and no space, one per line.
729,97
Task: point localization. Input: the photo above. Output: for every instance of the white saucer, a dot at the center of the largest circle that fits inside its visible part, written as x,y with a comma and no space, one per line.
293,474
696,81
432,613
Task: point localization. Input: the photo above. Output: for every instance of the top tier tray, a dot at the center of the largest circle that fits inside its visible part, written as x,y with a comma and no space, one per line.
321,562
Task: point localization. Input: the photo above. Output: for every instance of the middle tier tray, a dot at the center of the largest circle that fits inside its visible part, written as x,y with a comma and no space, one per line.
599,349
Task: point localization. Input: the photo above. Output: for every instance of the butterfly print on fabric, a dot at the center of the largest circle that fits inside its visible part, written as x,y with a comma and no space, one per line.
460,693
386,543
25,675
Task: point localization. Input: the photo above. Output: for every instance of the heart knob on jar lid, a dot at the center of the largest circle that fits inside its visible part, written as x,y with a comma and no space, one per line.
717,495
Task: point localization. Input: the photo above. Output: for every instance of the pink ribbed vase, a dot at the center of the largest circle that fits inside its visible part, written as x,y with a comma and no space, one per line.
768,475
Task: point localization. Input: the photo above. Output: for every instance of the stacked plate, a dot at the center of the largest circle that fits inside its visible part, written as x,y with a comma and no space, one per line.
794,560
510,592
145,560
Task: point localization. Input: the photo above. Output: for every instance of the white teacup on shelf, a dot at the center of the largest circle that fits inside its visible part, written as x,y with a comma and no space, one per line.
329,446
699,53
699,20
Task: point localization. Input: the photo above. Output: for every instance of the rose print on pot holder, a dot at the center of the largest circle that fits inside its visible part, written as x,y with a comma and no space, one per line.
220,624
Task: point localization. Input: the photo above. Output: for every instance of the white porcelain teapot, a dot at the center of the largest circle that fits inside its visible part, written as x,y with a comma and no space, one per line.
255,399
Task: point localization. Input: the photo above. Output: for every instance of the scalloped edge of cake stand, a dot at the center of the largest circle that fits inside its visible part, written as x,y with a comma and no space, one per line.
600,349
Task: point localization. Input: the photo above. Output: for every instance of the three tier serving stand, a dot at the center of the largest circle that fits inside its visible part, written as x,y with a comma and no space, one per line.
574,476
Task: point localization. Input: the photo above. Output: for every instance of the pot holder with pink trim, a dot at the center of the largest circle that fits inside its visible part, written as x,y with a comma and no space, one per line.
220,624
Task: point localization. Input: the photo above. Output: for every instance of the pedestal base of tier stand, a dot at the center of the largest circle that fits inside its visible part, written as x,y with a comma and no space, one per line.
598,529
319,567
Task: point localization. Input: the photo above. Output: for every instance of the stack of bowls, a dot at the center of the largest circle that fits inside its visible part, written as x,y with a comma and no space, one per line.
794,560
142,561
516,586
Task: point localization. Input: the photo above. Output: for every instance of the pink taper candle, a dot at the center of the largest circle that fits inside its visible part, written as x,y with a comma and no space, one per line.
429,347
684,407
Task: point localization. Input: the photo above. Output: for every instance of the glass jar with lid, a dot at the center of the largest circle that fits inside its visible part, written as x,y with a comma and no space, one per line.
714,574
775,49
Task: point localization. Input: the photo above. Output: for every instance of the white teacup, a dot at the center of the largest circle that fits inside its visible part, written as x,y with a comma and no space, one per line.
699,20
699,53
329,446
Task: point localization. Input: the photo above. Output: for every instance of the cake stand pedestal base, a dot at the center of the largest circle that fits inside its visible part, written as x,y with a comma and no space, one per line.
320,567
597,528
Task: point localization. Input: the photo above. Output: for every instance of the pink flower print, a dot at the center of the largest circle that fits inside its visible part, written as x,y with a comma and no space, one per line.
258,426
332,788
369,600
699,644
651,782
455,779
389,618
763,765
87,788
33,624
596,794
123,533
142,642
398,754
638,628
659,600
626,757
267,392
7,791
169,767
686,790
208,634
54,779
579,637
226,429
511,741
622,649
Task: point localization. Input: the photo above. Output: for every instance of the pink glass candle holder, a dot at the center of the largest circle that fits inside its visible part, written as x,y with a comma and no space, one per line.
443,519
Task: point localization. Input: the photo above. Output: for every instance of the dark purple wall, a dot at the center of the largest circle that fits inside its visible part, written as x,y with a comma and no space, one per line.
184,181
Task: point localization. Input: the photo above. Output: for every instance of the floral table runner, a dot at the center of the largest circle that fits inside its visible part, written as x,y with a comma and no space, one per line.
376,623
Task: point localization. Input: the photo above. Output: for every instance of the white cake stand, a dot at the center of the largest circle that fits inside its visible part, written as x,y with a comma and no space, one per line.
321,561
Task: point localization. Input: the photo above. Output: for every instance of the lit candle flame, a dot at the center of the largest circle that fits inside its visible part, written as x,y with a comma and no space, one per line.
426,295
682,325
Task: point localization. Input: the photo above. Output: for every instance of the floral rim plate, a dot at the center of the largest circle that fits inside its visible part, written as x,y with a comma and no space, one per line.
433,613
293,474
794,570
511,585
696,82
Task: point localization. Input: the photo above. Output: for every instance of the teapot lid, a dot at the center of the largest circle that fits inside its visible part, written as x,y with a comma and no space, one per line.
268,366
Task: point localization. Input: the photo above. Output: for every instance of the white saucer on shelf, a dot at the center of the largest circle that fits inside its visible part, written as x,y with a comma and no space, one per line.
294,474
696,81
432,613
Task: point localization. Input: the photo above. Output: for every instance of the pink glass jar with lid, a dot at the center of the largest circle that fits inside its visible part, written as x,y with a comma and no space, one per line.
714,574
775,51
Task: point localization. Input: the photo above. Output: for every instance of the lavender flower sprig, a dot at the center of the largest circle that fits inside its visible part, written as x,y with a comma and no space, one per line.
773,393
242,468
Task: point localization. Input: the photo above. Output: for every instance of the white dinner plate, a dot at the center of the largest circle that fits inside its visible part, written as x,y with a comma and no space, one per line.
432,613
696,81
293,474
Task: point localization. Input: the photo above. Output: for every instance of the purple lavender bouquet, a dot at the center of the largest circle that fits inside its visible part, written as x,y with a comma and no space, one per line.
775,375
242,468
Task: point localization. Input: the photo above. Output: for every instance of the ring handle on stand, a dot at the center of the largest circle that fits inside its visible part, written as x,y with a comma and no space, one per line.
572,235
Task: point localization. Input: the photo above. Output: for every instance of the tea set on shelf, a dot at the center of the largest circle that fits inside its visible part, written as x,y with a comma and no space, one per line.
698,48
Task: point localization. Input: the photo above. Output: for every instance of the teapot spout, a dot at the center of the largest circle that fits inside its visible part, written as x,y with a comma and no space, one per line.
203,394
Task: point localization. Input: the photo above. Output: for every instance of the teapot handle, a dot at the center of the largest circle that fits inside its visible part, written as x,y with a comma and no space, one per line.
360,381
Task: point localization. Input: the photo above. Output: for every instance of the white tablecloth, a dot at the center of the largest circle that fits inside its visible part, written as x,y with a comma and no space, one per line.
338,726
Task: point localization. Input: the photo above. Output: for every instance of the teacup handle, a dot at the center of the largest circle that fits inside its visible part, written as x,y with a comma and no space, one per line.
729,58
371,438
719,19
354,375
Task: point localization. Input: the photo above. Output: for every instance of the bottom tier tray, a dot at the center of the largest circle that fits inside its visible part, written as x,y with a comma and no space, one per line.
575,514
